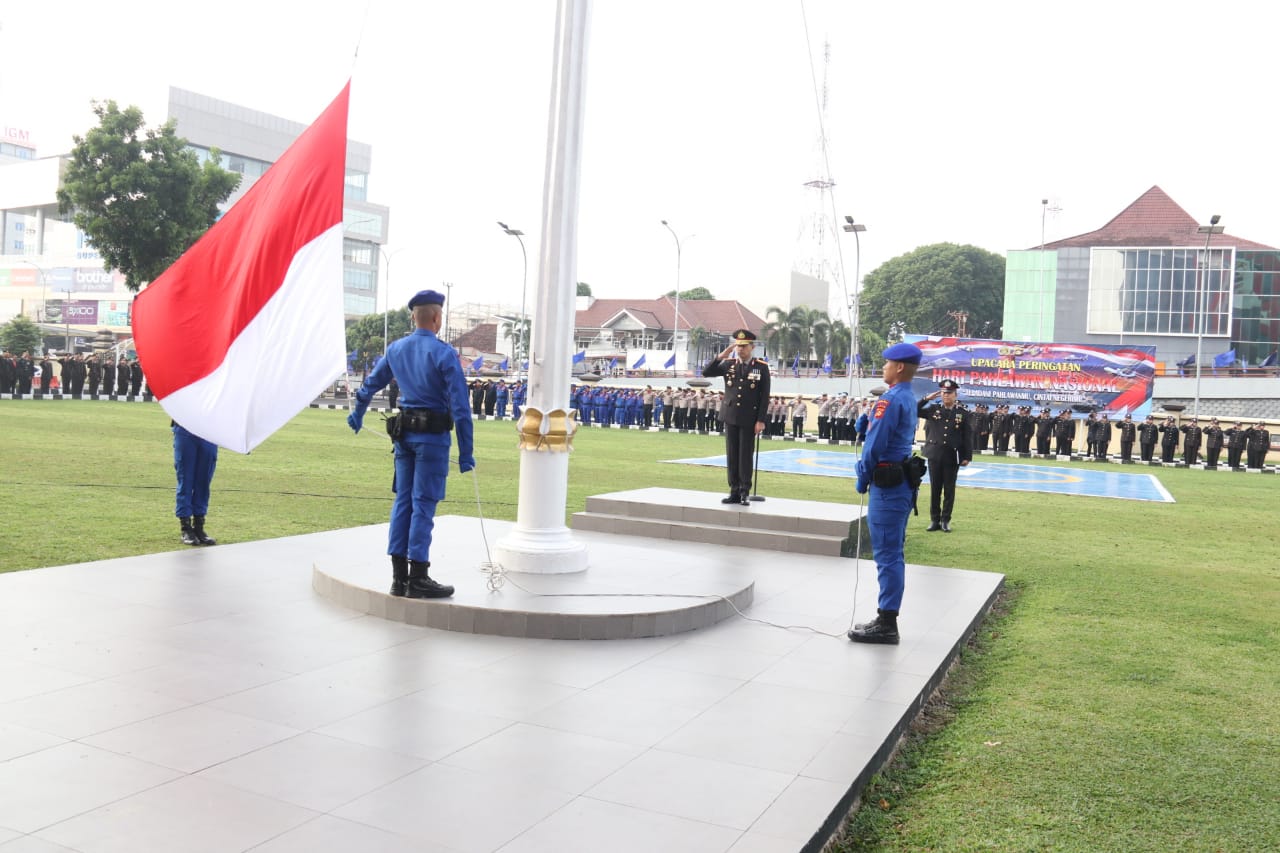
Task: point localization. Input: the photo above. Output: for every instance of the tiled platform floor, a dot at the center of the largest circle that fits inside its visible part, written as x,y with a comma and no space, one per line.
209,700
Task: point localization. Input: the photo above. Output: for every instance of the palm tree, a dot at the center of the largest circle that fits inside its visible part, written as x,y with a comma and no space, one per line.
839,341
518,333
698,337
815,325
779,333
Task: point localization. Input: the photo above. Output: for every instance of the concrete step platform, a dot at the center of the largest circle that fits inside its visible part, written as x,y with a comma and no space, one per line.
630,589
773,524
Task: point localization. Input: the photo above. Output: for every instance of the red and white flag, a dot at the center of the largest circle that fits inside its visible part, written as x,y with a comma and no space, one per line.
246,328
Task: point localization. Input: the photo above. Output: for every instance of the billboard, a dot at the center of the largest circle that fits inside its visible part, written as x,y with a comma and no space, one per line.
1082,378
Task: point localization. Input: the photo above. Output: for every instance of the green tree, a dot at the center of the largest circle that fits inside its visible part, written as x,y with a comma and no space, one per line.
693,293
364,336
922,288
140,194
518,332
870,345
698,339
20,335
839,339
801,330
584,289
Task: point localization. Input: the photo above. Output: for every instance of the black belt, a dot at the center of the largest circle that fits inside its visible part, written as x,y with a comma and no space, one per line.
425,420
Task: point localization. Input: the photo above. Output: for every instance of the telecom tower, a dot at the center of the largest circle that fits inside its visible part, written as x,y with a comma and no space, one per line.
817,270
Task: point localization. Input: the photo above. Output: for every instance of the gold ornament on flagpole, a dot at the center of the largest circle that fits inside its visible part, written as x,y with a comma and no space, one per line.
551,431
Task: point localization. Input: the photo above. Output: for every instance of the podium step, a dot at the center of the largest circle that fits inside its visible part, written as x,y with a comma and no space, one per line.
773,524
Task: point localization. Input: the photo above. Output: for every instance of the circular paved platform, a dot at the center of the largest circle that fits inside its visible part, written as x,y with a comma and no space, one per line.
630,589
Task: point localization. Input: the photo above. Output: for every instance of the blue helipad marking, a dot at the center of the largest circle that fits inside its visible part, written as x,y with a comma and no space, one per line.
1009,476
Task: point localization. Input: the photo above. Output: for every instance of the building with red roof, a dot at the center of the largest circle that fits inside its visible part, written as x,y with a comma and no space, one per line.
1146,279
627,329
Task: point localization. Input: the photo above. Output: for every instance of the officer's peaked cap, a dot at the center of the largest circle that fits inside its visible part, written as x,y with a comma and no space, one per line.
742,336
904,352
949,385
426,297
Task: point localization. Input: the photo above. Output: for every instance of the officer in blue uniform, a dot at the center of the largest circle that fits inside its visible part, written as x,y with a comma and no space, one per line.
948,444
433,402
746,399
891,432
194,461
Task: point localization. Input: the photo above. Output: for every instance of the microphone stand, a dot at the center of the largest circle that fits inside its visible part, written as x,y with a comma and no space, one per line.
755,474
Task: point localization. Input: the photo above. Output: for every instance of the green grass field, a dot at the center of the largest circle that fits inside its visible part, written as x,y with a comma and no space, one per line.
1126,697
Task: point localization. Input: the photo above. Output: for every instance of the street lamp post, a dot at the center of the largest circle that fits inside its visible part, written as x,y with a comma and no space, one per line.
855,228
675,325
386,296
44,292
523,335
448,289
1203,281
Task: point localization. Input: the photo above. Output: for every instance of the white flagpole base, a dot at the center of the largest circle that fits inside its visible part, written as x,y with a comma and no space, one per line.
540,542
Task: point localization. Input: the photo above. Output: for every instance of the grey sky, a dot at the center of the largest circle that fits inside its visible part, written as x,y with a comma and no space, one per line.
947,122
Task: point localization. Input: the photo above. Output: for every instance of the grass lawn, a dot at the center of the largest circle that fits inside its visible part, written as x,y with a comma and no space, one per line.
1127,698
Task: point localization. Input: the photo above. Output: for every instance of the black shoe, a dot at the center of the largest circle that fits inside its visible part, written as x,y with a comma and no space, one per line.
946,527
883,630
188,532
399,576
934,527
746,500
197,524
422,586
732,499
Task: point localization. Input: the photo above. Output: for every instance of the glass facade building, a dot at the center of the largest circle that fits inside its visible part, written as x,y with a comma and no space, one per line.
1146,279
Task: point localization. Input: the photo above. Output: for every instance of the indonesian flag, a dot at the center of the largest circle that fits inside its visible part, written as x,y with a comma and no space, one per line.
246,328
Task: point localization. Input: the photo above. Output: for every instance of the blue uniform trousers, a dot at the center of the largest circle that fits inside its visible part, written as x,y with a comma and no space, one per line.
421,472
194,460
887,517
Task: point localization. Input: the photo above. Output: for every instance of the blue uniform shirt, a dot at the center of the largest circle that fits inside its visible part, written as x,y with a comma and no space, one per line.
430,377
891,429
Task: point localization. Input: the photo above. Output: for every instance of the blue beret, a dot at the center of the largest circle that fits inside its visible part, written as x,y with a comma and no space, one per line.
426,297
904,352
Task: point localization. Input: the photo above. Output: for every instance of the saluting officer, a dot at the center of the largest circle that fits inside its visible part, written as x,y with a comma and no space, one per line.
1064,432
948,447
1237,437
1168,439
1148,432
746,398
1191,441
1128,432
1212,443
1259,443
1044,432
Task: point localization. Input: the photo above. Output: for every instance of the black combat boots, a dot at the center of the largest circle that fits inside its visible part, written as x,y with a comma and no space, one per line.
197,524
883,629
188,532
422,586
399,575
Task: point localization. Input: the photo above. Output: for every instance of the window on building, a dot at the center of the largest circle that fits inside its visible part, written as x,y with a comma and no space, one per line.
357,186
1160,291
356,252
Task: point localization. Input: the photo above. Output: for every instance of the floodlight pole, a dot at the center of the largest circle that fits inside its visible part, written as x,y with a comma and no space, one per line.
675,325
855,228
1203,281
522,337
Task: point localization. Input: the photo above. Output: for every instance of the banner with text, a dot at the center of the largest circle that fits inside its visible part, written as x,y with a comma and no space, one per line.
1082,378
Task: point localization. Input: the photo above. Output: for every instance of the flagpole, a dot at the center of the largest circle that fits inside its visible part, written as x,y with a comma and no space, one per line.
541,543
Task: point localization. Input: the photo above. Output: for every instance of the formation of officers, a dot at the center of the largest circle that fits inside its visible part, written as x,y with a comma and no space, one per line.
72,376
1057,435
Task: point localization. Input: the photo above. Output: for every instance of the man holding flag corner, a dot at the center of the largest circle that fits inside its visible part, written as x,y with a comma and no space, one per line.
433,403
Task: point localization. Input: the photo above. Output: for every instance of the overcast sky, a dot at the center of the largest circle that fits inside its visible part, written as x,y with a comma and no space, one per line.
946,122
